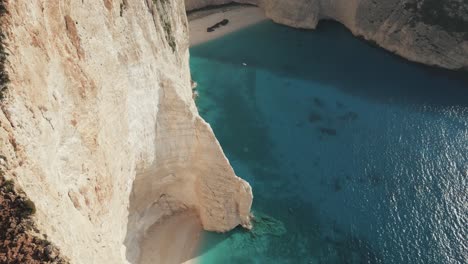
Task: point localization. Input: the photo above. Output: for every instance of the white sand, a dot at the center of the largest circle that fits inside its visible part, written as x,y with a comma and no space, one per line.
238,18
174,241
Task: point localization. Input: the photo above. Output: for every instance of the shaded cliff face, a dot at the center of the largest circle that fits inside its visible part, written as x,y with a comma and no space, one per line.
197,4
433,32
99,129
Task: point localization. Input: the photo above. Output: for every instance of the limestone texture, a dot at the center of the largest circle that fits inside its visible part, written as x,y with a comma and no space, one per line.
99,130
432,32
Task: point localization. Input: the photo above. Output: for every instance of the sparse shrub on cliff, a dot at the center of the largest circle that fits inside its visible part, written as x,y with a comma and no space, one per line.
3,55
25,206
29,207
19,238
162,6
8,186
123,7
450,15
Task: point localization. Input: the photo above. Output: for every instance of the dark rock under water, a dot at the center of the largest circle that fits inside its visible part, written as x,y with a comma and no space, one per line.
358,153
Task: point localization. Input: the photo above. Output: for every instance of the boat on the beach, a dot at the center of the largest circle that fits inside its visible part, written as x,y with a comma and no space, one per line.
217,25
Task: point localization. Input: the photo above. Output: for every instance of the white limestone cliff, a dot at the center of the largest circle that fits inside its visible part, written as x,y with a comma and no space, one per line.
100,130
433,32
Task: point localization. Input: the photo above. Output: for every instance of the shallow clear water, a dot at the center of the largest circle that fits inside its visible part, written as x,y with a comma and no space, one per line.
354,155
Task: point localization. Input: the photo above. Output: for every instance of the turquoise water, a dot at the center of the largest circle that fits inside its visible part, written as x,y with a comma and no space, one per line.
354,155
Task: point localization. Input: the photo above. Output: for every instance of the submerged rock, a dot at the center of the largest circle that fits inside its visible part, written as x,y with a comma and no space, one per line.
327,131
318,102
339,105
314,117
267,225
349,116
374,178
337,186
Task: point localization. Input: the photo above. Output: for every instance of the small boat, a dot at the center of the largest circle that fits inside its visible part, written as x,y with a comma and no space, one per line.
217,25
224,22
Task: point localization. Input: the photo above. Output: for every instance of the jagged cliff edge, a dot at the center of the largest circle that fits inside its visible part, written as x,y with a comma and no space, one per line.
98,128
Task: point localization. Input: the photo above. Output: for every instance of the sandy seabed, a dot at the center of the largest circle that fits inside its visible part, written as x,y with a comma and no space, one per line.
173,241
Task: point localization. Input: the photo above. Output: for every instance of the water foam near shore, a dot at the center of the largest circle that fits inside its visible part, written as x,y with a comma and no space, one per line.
354,155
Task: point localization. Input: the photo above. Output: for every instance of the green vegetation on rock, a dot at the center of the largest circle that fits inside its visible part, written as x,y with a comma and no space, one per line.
450,15
3,54
162,7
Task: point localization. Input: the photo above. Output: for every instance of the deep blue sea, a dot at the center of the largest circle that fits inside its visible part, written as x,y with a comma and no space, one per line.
354,154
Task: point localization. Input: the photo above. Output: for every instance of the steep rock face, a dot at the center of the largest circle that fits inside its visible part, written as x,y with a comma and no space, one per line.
433,32
99,128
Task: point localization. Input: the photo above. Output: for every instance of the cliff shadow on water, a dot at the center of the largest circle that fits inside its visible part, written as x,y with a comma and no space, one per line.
399,81
345,145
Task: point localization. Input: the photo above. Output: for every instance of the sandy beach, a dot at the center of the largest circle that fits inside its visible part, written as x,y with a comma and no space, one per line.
239,17
173,241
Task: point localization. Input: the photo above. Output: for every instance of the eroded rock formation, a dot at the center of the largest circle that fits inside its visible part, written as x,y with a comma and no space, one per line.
99,129
433,32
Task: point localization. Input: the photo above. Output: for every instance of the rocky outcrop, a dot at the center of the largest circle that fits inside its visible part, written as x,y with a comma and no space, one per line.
98,127
433,32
